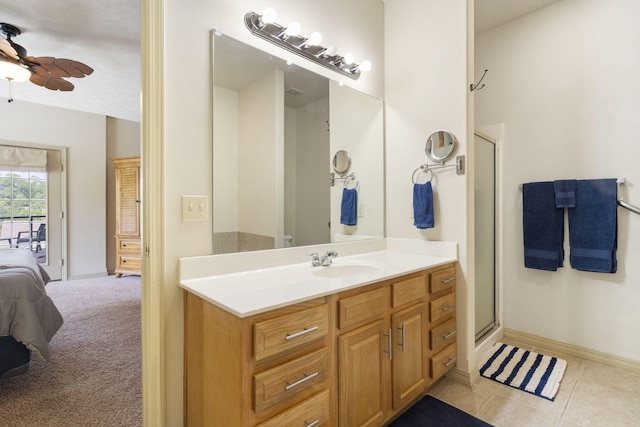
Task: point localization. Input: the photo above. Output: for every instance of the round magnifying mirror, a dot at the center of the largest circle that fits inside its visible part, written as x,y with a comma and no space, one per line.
341,161
441,145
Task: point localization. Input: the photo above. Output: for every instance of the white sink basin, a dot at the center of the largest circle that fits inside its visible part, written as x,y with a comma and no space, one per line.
348,270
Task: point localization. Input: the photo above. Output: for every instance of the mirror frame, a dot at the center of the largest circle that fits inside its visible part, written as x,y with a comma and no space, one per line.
341,157
430,152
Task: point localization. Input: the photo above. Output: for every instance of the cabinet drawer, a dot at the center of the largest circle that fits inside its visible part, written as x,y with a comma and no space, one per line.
129,245
291,382
129,262
313,411
286,332
408,291
441,307
442,362
358,308
442,279
442,335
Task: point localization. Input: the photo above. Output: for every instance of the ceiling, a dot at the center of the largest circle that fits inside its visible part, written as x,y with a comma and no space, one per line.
106,36
492,13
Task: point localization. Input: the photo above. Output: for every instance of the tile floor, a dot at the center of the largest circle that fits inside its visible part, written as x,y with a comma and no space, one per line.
590,394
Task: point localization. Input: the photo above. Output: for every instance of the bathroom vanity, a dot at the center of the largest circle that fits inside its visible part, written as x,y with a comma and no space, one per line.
354,343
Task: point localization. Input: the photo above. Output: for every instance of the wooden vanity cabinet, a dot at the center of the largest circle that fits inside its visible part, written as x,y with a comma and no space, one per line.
355,358
265,370
382,357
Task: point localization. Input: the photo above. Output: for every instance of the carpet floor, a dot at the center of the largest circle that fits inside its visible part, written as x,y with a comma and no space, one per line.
94,377
431,412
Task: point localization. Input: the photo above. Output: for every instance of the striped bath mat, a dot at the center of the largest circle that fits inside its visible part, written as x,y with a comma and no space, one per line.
525,370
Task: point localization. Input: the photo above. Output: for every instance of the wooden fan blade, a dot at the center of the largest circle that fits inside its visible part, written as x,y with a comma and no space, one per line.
51,82
48,63
8,50
62,67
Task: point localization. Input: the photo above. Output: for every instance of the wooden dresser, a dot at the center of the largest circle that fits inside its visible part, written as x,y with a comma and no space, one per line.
128,243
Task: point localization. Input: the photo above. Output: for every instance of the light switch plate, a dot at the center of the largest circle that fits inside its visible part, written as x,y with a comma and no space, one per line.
194,208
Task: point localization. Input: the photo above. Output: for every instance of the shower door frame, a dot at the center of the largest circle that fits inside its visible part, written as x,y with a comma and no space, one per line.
491,328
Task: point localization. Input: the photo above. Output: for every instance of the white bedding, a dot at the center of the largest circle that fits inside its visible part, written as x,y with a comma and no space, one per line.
26,311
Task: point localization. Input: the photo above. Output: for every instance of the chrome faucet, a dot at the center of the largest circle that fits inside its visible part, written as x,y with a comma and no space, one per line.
324,260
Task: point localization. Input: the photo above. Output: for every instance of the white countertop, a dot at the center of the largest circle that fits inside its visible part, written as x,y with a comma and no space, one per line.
255,291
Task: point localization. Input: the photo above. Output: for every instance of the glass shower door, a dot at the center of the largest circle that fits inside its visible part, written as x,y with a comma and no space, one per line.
485,242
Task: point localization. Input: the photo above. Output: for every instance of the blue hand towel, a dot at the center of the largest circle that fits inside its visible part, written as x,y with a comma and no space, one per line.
593,226
349,207
543,227
423,205
565,192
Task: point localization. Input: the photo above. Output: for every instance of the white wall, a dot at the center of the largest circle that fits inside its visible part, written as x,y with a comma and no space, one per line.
84,135
426,90
354,25
312,178
261,137
564,81
225,160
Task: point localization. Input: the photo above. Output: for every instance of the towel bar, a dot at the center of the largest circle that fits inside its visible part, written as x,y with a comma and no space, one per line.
620,200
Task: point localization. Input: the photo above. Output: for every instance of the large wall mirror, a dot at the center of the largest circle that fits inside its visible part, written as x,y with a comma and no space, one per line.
276,128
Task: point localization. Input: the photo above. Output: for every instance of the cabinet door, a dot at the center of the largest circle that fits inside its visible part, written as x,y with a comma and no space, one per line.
361,372
128,201
409,367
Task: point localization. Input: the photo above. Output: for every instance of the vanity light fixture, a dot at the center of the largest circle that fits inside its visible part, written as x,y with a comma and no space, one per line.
289,38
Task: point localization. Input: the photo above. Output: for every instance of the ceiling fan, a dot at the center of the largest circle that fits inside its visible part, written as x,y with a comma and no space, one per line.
45,71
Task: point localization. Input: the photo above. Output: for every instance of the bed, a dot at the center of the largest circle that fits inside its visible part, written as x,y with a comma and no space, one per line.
28,316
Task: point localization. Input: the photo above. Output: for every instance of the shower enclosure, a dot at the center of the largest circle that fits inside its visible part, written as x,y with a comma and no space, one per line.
485,234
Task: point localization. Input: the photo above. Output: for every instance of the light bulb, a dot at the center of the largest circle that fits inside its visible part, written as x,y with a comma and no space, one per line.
292,30
269,16
365,66
348,59
330,51
314,39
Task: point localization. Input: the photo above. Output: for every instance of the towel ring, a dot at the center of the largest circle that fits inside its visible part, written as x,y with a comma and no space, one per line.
422,168
351,178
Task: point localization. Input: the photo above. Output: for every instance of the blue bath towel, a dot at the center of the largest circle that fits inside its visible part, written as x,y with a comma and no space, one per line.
423,205
543,227
349,207
593,226
565,192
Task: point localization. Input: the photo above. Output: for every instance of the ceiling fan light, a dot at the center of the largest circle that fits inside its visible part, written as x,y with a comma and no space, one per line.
13,72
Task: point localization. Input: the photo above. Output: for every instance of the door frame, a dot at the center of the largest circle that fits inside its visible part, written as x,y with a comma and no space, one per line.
63,198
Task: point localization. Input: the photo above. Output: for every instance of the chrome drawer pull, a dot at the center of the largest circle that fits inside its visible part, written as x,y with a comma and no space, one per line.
313,424
449,362
301,333
449,335
390,352
404,336
449,280
447,308
297,383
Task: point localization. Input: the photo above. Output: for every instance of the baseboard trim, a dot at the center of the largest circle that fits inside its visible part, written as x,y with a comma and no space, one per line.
466,378
87,276
573,350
